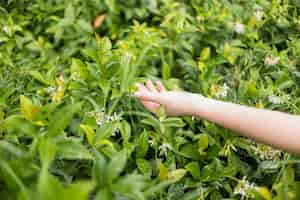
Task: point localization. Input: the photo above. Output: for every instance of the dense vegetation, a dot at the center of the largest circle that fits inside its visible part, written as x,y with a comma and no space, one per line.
71,129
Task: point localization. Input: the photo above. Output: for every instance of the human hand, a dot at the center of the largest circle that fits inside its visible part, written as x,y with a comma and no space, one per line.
175,103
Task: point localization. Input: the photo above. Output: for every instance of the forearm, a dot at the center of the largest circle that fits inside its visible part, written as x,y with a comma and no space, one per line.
274,128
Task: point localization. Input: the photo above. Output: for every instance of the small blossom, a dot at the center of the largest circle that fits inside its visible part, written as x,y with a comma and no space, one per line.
151,142
228,148
259,15
223,91
271,60
50,90
6,29
275,99
163,149
265,152
102,118
245,189
239,28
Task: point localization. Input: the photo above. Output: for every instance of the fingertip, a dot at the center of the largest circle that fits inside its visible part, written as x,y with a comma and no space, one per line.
150,86
160,86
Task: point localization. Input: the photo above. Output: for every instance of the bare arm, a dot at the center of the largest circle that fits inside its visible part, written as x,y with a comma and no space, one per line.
274,128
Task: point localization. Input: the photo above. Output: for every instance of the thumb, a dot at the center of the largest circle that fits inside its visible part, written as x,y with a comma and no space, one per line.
149,96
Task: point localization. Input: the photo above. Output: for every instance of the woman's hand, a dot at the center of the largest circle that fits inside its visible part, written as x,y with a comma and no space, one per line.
175,103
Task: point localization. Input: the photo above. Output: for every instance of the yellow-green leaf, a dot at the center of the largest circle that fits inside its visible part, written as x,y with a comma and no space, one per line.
203,142
28,109
89,132
163,172
176,175
265,193
205,54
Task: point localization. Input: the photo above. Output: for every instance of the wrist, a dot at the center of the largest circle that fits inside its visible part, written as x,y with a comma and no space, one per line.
196,104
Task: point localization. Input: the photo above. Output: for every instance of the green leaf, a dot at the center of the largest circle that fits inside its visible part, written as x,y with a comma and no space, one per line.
62,118
47,151
100,169
39,77
73,150
125,131
104,194
17,124
173,122
144,166
78,190
130,186
105,131
142,145
116,165
194,169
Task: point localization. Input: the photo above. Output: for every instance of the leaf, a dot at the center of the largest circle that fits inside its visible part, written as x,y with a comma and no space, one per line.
47,151
17,124
142,145
173,122
203,142
72,150
205,54
62,118
265,193
144,166
176,175
105,131
78,190
194,169
69,14
28,109
104,194
125,131
163,171
89,132
100,169
116,165
78,69
39,77
130,186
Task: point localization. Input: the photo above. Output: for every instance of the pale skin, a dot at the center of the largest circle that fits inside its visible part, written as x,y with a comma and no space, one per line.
277,129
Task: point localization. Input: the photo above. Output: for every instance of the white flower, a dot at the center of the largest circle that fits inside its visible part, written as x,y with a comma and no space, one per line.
244,189
6,29
275,99
271,60
50,90
163,149
265,152
239,28
151,143
223,91
259,15
102,118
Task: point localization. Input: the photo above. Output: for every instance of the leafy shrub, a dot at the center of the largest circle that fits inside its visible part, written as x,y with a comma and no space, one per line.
70,128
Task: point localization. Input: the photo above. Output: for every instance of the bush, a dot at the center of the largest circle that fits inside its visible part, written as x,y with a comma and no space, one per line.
70,128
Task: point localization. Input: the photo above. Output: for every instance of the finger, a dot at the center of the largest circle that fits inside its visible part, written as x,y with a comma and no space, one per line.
150,86
141,87
160,86
148,96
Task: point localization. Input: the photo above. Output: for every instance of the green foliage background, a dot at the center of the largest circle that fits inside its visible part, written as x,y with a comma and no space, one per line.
70,128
